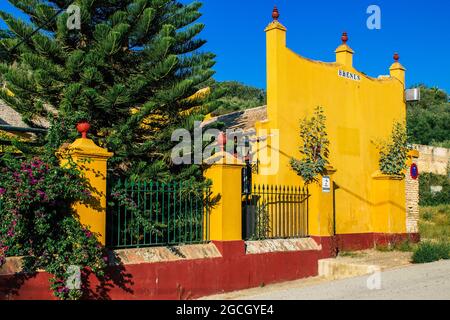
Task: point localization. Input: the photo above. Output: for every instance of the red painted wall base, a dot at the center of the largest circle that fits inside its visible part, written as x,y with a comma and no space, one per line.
191,279
183,279
362,241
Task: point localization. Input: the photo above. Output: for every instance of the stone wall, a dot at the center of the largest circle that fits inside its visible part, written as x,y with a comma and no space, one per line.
9,116
412,204
412,196
433,159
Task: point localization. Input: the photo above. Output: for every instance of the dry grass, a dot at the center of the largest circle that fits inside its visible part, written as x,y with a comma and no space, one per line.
434,226
434,229
434,223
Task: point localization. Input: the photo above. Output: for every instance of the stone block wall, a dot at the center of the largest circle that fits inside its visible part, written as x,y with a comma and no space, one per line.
412,204
433,159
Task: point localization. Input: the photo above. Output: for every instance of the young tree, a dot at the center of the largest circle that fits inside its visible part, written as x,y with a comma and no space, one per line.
129,69
315,148
394,151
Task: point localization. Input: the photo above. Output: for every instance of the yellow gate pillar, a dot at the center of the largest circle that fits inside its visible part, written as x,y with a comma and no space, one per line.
397,70
344,54
226,215
321,208
92,162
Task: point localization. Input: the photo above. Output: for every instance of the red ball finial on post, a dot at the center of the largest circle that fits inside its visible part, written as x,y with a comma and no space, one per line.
396,57
222,141
275,13
344,37
83,128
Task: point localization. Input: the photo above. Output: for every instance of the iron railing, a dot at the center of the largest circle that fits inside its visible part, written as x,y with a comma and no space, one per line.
273,212
143,214
5,143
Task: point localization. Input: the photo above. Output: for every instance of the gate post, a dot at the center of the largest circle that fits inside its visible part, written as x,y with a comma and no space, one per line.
226,216
92,162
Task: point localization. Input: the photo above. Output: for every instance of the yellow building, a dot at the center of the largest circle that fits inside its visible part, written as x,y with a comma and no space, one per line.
362,206
358,206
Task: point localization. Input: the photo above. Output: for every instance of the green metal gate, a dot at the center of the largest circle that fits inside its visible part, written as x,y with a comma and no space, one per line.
142,214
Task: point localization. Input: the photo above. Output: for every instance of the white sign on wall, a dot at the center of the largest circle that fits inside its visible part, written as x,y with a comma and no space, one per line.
349,75
326,184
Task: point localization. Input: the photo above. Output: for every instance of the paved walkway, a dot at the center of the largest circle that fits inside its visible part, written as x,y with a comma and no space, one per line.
424,282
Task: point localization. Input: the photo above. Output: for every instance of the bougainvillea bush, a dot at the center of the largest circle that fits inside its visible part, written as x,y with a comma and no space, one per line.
38,223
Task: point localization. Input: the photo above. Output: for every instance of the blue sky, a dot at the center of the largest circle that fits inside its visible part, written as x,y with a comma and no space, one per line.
418,30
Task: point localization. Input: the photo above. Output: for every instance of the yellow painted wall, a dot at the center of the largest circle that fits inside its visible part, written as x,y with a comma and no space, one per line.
358,112
389,205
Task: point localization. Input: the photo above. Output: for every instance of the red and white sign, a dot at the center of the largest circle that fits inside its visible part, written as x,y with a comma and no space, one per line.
414,171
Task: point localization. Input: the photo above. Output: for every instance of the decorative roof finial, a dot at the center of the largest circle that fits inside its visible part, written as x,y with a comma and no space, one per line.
344,37
396,57
222,141
83,127
275,13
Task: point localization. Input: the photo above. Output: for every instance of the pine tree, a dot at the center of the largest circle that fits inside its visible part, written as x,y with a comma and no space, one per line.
4,55
129,70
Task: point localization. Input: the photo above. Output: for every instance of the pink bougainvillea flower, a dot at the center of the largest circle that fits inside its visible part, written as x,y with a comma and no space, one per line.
41,194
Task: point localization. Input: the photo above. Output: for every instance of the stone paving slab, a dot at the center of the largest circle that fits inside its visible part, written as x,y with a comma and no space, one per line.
165,254
281,245
11,266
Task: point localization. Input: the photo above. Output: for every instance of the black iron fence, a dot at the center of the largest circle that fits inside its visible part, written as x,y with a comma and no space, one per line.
274,212
7,144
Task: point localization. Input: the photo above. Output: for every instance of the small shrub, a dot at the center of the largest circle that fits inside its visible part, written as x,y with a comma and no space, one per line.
262,229
405,246
428,252
427,216
384,248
